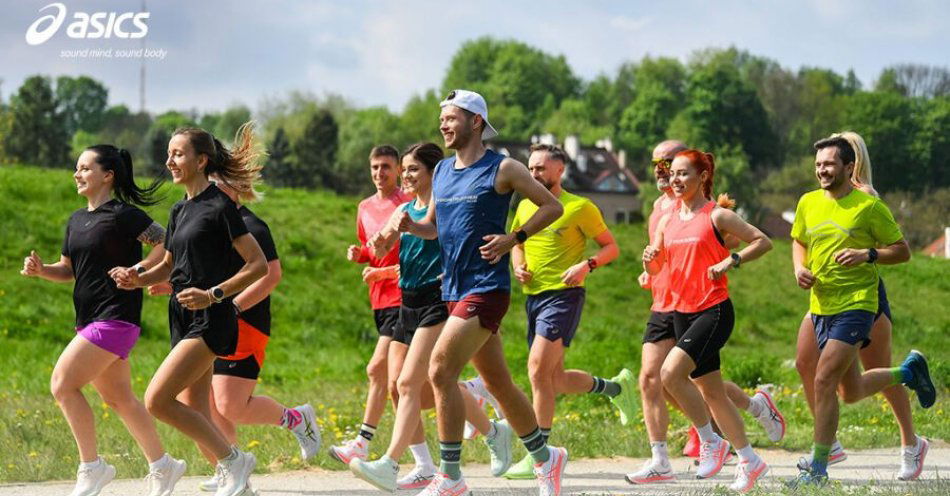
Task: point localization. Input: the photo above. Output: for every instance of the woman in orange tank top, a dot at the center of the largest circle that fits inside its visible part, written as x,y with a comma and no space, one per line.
690,240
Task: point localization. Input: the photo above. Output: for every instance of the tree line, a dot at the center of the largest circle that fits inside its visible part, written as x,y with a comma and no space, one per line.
758,117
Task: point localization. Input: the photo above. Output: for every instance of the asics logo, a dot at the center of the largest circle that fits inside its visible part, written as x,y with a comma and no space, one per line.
86,26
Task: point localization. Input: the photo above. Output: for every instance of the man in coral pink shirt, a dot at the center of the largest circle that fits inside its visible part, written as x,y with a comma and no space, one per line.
382,276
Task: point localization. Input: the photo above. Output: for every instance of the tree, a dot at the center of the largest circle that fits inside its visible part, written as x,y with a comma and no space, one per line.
888,123
573,118
932,144
81,102
230,121
279,157
645,121
158,136
37,131
915,80
420,119
359,133
316,153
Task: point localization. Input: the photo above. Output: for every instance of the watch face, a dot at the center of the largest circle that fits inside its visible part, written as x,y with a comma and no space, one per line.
217,293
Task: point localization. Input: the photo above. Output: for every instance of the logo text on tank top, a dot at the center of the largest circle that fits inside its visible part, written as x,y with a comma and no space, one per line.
684,241
458,199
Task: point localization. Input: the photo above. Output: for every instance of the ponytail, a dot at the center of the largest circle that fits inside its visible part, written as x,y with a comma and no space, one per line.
240,167
119,161
706,162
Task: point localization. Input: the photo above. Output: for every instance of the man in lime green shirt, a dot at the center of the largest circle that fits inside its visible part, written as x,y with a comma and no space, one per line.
551,266
836,231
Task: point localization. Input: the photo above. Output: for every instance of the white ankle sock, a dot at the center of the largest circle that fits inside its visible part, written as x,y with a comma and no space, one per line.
746,454
157,464
660,453
706,433
420,452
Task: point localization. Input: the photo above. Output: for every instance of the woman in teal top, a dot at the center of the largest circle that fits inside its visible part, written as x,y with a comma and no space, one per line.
421,318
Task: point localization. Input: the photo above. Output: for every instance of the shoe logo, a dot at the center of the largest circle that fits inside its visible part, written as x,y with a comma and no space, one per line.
688,340
471,309
853,334
232,365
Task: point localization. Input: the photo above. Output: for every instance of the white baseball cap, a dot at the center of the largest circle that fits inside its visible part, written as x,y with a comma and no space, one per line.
474,103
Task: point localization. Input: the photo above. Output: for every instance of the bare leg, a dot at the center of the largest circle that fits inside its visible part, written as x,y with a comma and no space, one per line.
115,386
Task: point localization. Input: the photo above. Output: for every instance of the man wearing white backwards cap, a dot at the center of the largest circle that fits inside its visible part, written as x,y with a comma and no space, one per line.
471,194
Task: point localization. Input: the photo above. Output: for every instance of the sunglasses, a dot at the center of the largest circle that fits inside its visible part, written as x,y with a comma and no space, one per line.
663,163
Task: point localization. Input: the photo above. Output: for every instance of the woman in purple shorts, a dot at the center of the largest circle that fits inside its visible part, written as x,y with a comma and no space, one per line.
108,233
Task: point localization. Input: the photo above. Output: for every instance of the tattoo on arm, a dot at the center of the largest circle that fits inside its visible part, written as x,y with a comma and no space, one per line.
152,235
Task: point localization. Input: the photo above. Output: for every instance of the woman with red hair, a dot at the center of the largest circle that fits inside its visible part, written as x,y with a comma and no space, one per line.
691,240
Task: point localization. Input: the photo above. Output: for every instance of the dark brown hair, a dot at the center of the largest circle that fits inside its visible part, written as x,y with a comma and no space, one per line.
428,153
554,151
240,167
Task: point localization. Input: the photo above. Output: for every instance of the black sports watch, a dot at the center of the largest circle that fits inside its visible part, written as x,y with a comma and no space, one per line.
217,294
521,236
737,259
872,255
139,269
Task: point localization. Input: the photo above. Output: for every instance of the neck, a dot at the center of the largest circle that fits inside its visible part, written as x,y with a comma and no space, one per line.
422,197
841,191
385,193
556,190
97,199
694,203
470,153
195,187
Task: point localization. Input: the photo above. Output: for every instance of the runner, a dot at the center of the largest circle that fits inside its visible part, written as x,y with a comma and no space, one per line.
108,233
422,316
235,376
206,235
381,274
836,230
690,241
660,337
552,269
471,192
877,354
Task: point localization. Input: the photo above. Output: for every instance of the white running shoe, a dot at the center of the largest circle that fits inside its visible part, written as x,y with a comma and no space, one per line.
211,485
235,474
499,447
161,481
835,456
712,456
354,448
417,478
442,485
769,416
550,472
91,480
747,473
307,432
477,387
380,473
652,472
912,460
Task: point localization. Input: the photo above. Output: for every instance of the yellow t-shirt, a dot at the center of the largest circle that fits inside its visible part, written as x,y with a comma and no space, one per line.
827,226
553,250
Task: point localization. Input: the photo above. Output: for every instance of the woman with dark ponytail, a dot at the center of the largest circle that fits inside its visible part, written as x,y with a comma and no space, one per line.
102,238
210,258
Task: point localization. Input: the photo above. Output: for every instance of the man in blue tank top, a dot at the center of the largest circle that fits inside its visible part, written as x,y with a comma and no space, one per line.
471,195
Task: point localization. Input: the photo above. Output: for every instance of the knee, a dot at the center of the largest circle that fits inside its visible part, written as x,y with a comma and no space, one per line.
441,377
156,403
670,379
806,365
404,387
650,383
59,388
376,371
825,384
230,409
121,402
850,395
539,377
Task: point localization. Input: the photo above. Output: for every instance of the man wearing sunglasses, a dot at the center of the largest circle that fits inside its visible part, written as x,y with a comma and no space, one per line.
659,338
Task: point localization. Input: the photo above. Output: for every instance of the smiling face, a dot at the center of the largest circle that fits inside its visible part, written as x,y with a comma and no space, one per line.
829,169
685,180
457,127
416,177
183,162
384,171
90,178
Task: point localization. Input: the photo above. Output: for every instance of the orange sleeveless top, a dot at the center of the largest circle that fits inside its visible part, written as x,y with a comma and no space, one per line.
660,283
691,248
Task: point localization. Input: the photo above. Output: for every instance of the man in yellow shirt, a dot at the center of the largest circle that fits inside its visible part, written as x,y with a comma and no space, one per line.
835,233
551,266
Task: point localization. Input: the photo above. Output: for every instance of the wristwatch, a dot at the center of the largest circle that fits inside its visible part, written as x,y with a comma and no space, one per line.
872,255
217,294
521,236
737,259
591,263
139,269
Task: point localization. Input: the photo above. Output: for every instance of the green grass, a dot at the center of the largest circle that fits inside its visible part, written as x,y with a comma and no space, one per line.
324,334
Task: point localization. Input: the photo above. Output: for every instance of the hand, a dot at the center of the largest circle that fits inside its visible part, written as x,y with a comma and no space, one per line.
849,257
125,277
194,298
522,274
805,278
575,274
405,222
716,271
353,253
378,246
496,247
650,253
162,288
32,265
644,280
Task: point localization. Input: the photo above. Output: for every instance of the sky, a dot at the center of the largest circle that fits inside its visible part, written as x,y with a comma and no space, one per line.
218,53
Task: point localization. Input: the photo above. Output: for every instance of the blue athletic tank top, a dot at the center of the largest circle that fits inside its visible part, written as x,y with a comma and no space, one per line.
467,208
419,262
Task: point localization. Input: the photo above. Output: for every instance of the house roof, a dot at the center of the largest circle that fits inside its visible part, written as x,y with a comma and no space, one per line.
935,249
593,170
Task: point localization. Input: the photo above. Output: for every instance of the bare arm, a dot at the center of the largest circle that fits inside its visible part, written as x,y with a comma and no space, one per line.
261,288
520,265
730,224
803,276
425,228
609,250
891,254
653,255
513,175
255,267
61,271
382,242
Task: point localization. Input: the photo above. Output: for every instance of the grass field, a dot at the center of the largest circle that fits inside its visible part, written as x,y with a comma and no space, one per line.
324,334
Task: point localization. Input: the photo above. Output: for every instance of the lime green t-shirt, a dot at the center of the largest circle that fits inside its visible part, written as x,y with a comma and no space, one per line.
553,250
827,226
